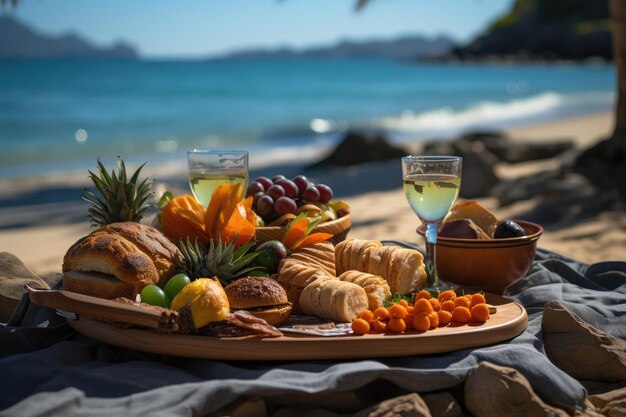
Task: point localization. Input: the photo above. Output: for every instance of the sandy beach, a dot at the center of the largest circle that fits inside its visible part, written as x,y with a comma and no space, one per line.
47,215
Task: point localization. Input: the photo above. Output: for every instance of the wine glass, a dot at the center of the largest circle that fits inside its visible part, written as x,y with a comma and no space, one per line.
431,185
210,168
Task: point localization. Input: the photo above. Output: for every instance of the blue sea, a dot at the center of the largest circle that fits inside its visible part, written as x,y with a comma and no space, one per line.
61,115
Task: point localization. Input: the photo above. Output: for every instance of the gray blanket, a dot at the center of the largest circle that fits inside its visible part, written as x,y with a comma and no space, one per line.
47,368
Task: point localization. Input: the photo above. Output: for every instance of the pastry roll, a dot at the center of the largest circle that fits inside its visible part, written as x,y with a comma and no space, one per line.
333,300
375,287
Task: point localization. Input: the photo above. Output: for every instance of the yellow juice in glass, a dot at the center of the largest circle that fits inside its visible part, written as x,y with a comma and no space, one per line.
431,195
203,184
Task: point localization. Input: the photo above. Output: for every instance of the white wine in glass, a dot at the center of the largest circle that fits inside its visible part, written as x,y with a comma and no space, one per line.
431,185
208,169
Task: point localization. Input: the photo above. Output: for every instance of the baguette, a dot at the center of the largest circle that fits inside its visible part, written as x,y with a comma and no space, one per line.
354,254
295,275
376,288
320,255
402,269
333,300
411,271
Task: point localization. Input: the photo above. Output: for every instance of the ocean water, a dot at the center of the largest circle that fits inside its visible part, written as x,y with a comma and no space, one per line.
60,115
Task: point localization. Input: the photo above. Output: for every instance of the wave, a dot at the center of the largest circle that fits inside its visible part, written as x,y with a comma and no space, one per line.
445,120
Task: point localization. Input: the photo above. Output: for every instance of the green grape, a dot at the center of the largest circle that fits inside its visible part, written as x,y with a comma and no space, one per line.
153,295
175,284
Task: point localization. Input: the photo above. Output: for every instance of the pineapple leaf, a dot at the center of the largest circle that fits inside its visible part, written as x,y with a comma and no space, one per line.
216,258
117,197
165,198
135,176
243,249
245,260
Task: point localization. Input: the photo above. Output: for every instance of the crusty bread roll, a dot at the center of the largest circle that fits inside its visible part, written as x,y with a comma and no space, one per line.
376,288
333,299
467,209
97,284
403,269
118,260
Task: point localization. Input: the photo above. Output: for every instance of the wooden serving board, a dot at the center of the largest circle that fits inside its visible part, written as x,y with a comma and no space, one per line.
509,321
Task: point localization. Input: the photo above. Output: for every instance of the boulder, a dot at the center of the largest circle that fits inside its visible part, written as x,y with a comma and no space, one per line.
518,150
357,148
409,405
580,349
442,404
558,184
604,164
13,276
611,403
479,176
492,390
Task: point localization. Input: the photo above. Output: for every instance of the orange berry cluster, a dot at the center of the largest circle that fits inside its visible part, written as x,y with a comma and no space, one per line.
426,313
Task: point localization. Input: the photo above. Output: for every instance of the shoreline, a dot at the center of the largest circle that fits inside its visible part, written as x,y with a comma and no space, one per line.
57,218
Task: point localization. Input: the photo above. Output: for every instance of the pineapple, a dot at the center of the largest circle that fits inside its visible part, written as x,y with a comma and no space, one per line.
119,198
216,260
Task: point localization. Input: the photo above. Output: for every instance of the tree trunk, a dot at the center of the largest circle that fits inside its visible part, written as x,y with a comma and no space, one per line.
605,163
618,13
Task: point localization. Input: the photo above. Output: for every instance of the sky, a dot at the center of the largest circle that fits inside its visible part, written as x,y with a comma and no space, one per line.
200,28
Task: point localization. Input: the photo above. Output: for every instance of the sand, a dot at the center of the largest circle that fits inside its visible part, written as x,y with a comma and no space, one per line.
379,214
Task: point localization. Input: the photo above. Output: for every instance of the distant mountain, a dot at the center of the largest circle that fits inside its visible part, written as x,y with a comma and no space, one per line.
17,40
546,29
408,47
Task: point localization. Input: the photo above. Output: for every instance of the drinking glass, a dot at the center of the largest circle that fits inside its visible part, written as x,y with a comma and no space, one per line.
431,185
210,168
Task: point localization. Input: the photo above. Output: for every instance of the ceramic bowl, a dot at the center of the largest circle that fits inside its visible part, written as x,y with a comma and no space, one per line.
491,265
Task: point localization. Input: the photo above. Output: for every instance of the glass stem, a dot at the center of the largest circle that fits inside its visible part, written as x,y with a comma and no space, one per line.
431,263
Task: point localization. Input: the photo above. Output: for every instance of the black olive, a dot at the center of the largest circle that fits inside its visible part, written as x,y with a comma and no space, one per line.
508,228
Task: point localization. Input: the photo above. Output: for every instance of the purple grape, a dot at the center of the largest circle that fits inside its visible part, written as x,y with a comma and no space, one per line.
275,191
277,178
256,197
265,182
254,188
326,193
284,205
311,194
291,189
265,205
301,182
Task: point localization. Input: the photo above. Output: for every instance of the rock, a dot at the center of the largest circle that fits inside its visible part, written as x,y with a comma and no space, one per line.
516,151
604,164
492,390
442,404
13,276
611,403
556,184
580,349
479,176
357,148
409,405
478,165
